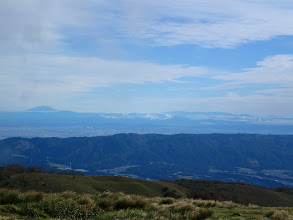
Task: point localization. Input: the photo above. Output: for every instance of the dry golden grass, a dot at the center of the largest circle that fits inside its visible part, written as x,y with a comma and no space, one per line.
279,215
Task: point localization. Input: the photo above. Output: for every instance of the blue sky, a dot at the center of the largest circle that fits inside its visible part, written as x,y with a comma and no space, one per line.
148,56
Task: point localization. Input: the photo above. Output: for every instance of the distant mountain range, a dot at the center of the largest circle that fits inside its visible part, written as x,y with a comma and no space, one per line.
44,121
256,159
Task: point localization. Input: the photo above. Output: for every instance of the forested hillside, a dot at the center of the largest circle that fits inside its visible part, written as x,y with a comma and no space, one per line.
258,159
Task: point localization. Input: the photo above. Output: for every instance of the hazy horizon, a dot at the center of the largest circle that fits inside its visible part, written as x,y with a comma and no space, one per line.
41,108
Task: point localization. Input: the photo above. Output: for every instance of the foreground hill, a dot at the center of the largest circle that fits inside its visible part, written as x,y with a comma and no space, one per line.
237,192
68,205
17,177
27,179
256,159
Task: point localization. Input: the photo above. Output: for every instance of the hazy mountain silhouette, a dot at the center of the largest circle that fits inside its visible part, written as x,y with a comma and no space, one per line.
42,109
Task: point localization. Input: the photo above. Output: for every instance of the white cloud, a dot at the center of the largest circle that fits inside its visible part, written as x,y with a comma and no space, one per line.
26,79
47,27
43,25
272,93
277,91
274,70
33,77
37,24
96,72
62,82
209,23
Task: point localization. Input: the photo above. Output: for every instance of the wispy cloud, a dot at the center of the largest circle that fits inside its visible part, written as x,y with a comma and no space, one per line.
43,75
273,70
28,79
287,92
224,24
94,72
41,56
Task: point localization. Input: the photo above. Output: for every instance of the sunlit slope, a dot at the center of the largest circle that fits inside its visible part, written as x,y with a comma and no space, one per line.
238,192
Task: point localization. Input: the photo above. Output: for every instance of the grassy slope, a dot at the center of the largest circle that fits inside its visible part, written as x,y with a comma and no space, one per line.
237,192
88,184
18,177
104,206
211,190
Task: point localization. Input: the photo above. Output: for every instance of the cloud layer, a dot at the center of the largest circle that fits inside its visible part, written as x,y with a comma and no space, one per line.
33,77
28,79
47,53
223,24
274,70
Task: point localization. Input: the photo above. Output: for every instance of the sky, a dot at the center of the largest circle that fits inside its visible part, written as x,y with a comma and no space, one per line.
233,56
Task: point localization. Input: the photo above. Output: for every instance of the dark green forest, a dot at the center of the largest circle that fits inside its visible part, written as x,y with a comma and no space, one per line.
256,159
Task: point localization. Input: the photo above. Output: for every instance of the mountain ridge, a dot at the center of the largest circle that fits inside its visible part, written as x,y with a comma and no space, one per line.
257,159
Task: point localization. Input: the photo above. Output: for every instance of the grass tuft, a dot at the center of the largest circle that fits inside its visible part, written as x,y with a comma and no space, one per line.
200,214
86,201
167,201
279,215
131,202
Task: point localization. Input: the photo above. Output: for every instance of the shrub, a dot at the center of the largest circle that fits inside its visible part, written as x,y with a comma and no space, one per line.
68,208
33,197
9,197
153,207
182,208
9,209
130,202
167,201
86,201
279,215
170,193
200,214
253,206
107,200
68,194
15,197
205,203
228,204
106,204
31,211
